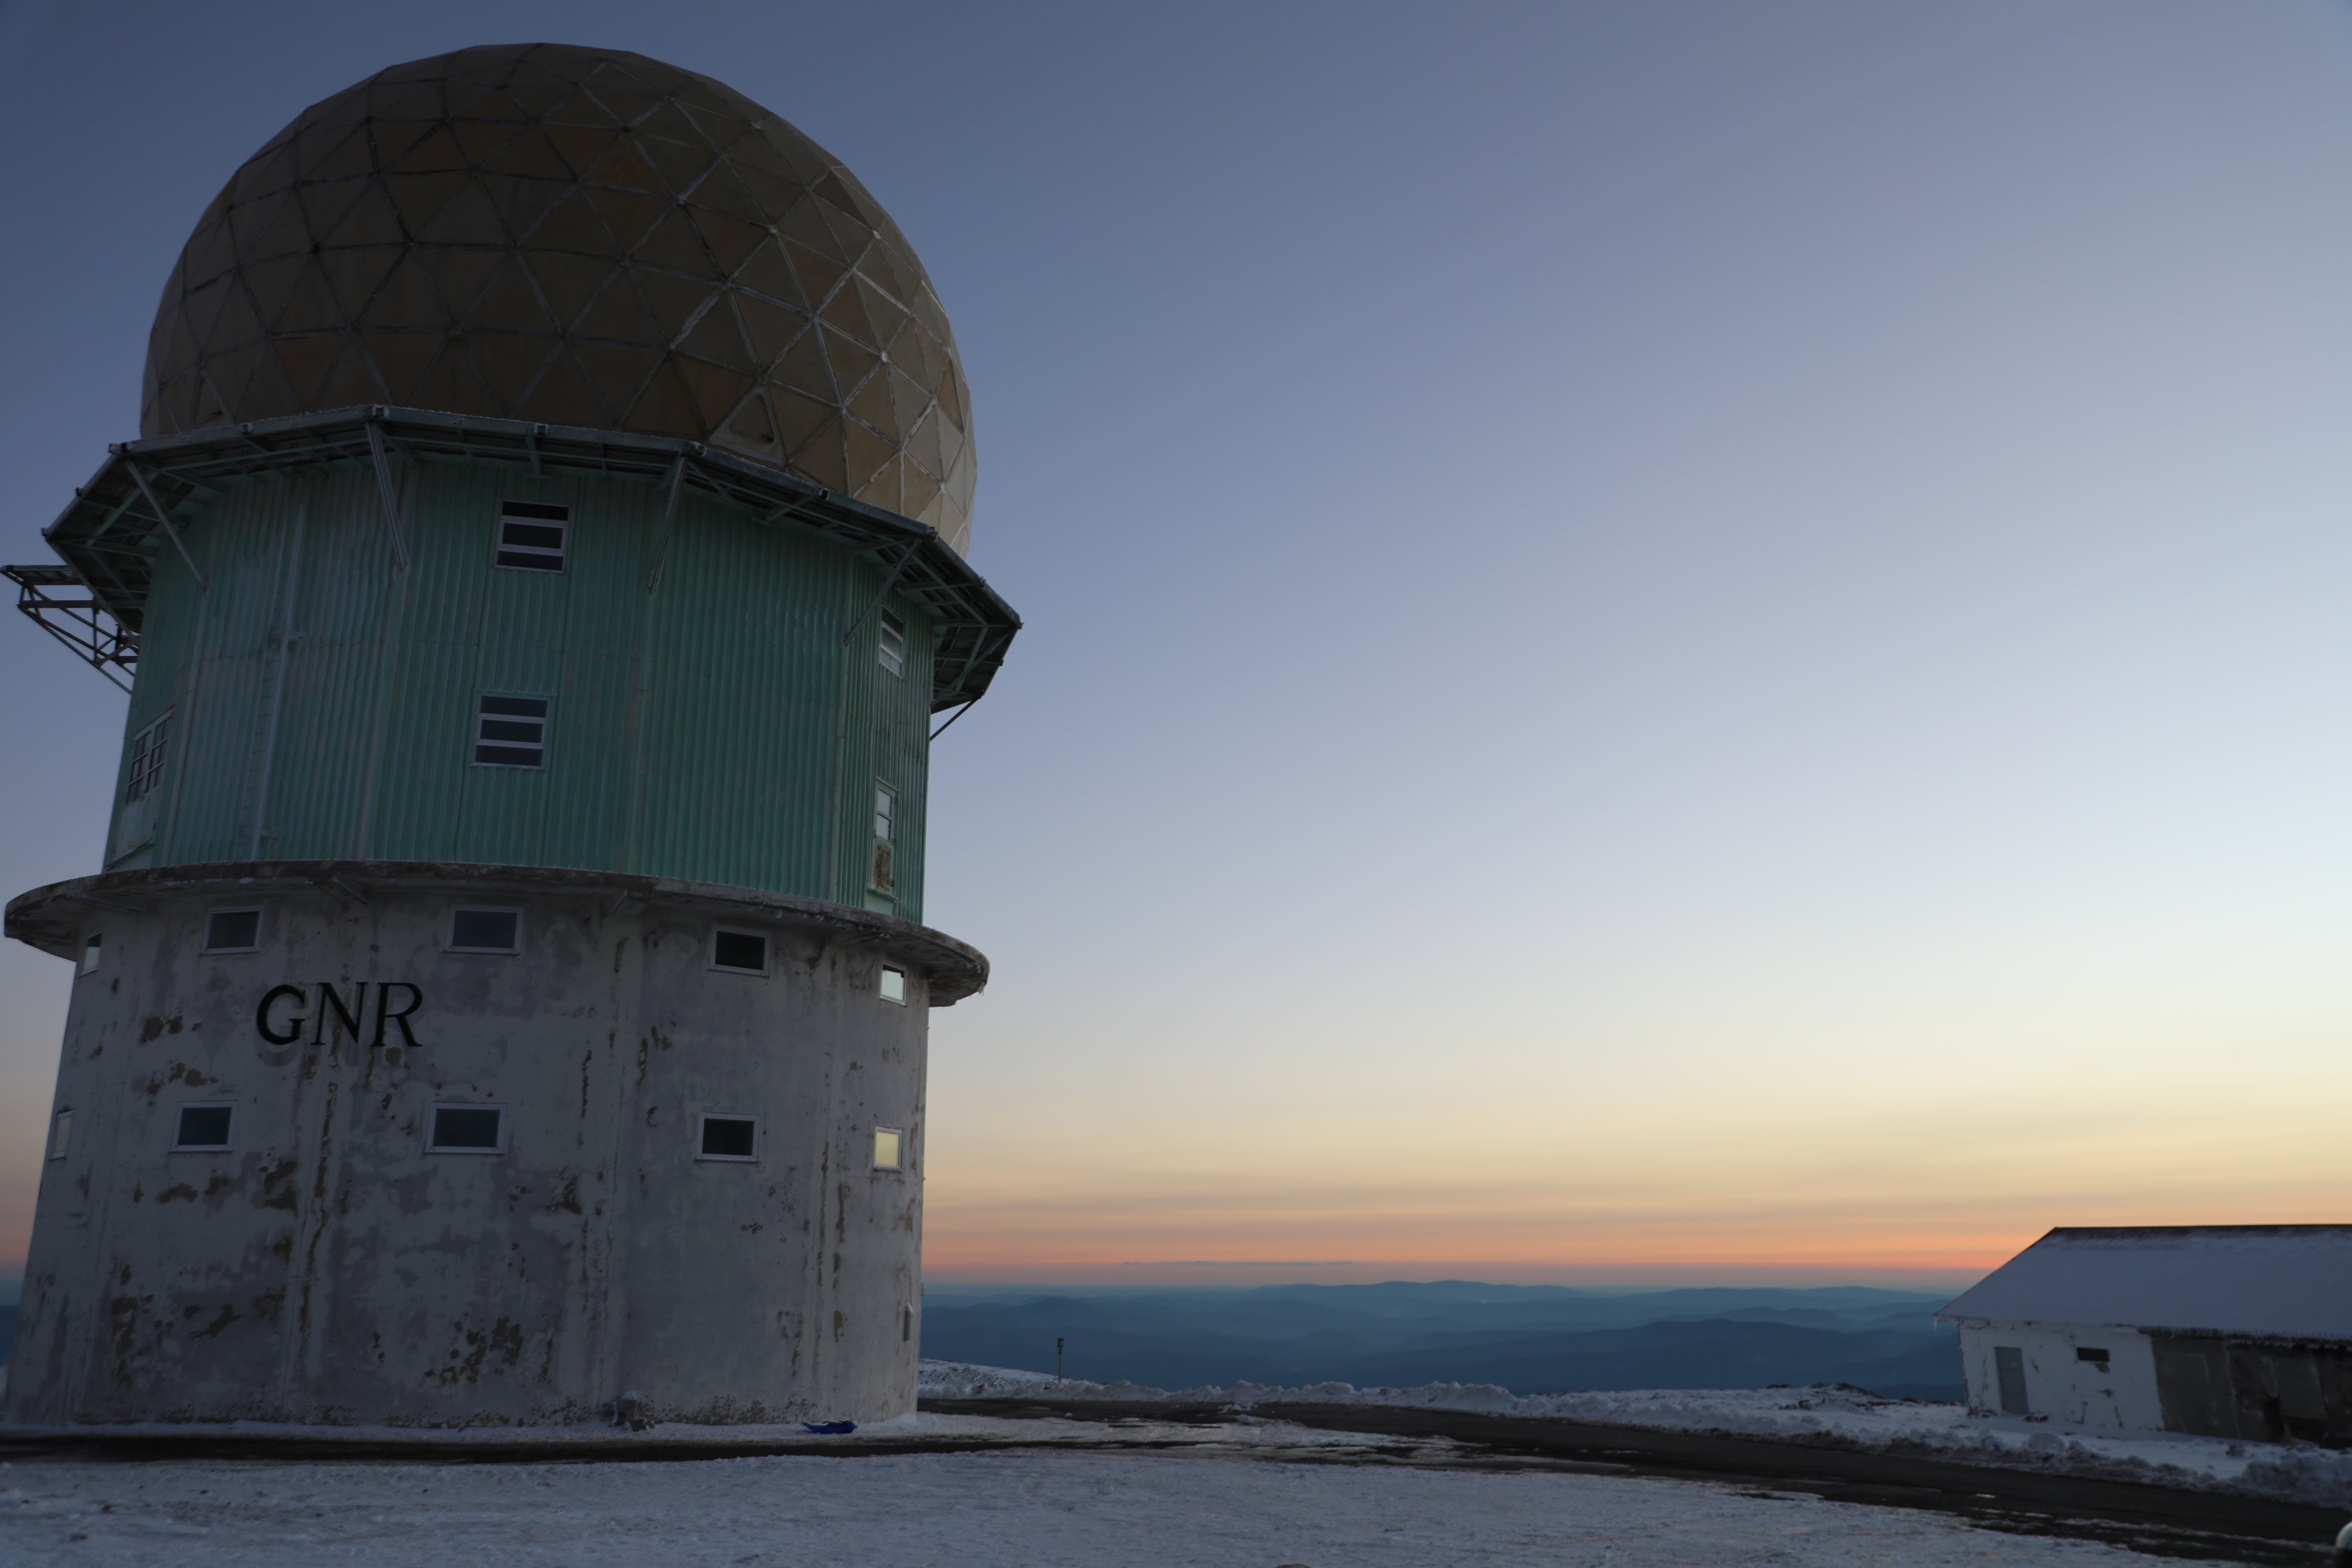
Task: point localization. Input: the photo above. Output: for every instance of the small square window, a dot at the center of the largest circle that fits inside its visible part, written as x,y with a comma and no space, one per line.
233,930
511,732
892,647
468,1130
739,951
532,535
203,1127
60,1133
89,950
729,1138
886,1147
145,774
894,986
473,929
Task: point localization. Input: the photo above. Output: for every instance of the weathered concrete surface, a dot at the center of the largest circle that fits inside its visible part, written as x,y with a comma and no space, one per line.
2118,1390
326,1268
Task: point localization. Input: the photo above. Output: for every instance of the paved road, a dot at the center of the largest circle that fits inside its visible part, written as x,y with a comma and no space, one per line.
2202,1526
2207,1526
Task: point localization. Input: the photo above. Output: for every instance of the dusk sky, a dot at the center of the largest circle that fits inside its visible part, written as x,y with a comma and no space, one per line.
1665,642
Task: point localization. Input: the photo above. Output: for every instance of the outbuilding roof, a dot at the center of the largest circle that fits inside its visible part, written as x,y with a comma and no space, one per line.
2261,1281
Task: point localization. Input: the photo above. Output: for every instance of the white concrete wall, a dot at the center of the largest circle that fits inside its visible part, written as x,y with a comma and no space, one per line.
326,1268
2058,1382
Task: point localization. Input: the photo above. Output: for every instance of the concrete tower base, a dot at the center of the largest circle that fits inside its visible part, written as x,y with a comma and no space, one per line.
324,1263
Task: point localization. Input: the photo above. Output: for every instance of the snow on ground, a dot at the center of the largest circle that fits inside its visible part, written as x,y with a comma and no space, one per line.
1029,1508
1821,1414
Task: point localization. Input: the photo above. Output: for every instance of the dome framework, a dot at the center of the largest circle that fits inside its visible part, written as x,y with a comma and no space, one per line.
573,238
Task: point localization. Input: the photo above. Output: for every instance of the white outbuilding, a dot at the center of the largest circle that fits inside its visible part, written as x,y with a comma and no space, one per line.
2226,1330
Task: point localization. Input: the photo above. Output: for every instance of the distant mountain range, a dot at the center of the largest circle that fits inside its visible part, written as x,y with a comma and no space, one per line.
1529,1339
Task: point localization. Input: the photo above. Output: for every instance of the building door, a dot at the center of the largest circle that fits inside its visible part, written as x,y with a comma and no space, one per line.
2008,1363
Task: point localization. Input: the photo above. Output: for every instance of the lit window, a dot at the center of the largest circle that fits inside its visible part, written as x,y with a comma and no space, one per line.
739,951
531,535
511,733
893,645
89,947
233,930
886,1147
894,986
468,1130
61,1135
475,930
147,751
729,1138
203,1127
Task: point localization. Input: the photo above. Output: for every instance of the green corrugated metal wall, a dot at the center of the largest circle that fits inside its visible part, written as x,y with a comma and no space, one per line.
708,729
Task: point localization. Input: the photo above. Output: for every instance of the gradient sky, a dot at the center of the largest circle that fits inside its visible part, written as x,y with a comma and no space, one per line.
1667,642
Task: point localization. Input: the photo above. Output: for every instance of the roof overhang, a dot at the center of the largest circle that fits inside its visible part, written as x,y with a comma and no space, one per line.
55,918
107,533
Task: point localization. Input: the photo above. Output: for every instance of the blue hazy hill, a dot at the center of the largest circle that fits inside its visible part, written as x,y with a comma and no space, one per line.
1529,1339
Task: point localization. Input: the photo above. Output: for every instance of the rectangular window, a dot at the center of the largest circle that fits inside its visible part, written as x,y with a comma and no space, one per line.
147,751
203,1127
893,645
729,1138
532,535
233,930
473,929
468,1130
739,951
886,826
886,1147
61,1135
894,986
511,733
2085,1353
90,946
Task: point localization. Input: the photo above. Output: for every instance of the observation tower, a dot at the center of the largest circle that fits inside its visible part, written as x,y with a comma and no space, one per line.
537,579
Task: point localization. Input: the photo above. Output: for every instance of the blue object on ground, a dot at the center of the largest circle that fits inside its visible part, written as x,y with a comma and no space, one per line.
829,1428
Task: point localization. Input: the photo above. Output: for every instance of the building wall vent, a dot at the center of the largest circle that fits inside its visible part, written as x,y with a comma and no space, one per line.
202,1126
473,929
728,1137
511,733
533,535
233,930
468,1130
739,951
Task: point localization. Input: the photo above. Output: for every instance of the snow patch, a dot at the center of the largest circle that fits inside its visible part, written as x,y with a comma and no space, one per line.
1836,1415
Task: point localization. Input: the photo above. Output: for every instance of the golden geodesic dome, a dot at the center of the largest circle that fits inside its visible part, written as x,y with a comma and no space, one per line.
571,236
